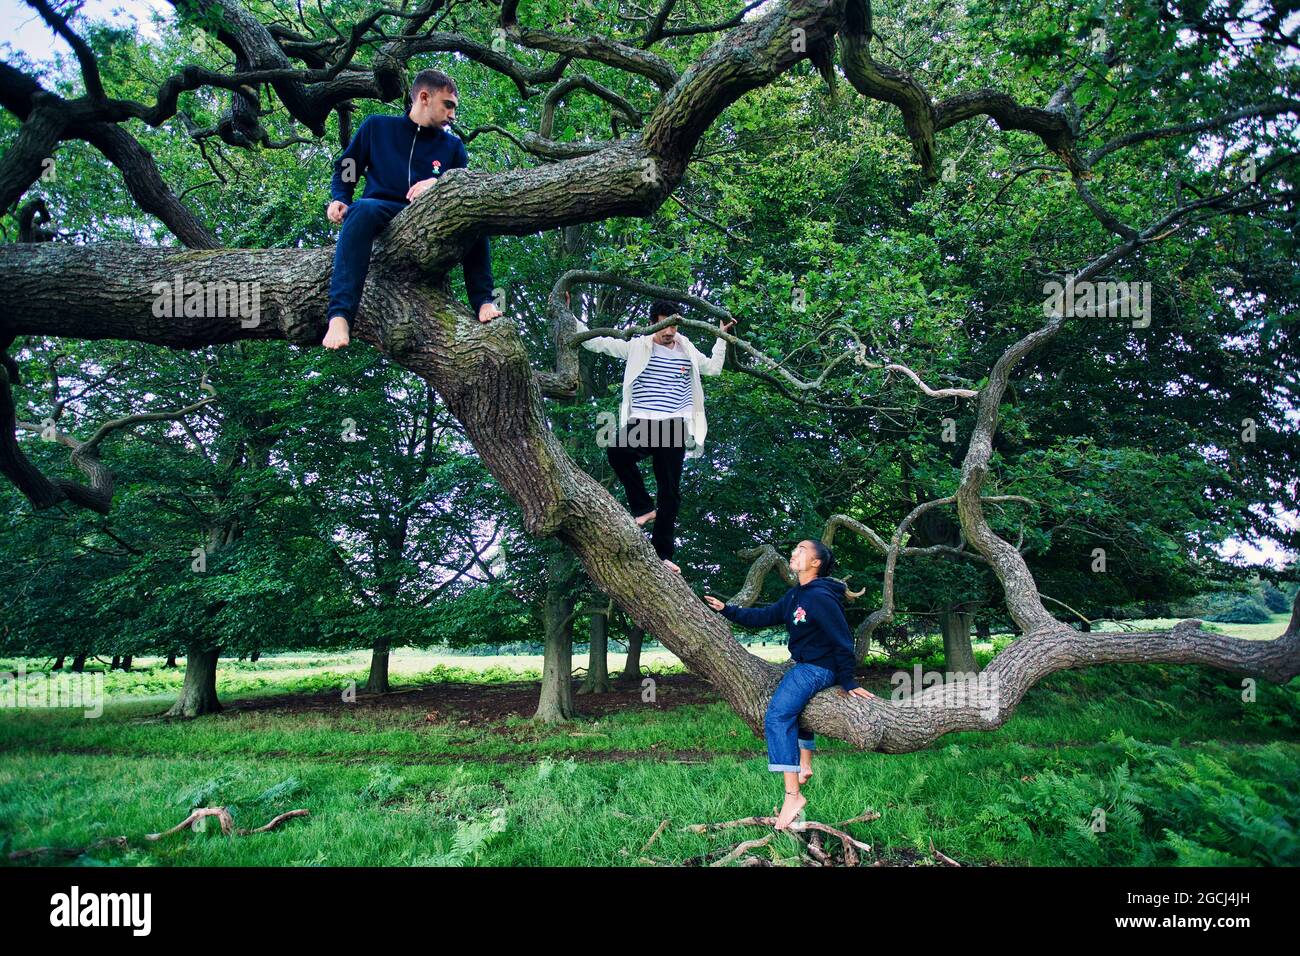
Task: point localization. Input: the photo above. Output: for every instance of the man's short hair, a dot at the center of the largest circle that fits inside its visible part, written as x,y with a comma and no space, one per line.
660,308
433,81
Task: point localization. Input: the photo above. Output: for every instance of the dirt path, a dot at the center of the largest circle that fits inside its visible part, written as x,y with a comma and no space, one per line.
482,703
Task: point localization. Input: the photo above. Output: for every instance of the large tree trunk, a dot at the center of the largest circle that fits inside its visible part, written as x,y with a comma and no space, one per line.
377,682
126,662
958,654
597,681
79,664
171,659
199,692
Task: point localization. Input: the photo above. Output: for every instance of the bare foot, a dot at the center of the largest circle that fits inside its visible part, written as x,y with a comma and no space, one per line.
804,774
794,804
646,518
337,336
671,567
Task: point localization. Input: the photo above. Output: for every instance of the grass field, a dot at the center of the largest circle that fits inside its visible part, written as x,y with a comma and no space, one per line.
1186,772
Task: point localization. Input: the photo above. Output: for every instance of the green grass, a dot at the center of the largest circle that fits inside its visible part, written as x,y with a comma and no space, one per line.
1184,770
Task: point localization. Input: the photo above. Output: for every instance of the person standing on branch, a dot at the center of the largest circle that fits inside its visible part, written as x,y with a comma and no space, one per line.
661,417
401,157
821,647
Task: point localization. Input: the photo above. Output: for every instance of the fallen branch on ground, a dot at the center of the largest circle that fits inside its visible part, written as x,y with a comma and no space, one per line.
942,857
812,852
662,827
221,813
227,823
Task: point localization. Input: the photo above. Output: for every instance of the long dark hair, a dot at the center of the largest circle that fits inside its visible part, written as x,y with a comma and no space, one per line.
826,560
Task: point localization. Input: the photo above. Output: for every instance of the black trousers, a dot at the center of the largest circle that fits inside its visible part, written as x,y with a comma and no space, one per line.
664,442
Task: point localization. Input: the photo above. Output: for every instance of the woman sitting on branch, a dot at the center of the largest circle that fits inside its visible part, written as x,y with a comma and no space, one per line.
822,649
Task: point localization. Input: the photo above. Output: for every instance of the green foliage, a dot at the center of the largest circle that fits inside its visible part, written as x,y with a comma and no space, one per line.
467,843
1160,806
281,791
203,793
1273,598
1069,810
1238,609
383,785
1217,804
479,614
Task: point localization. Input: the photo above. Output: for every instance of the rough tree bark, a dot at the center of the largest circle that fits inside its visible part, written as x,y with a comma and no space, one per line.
199,691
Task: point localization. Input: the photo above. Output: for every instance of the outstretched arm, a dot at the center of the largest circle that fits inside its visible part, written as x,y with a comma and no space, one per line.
606,344
713,364
766,616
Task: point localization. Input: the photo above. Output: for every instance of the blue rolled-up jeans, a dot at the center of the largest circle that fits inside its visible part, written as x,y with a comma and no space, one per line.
365,219
781,723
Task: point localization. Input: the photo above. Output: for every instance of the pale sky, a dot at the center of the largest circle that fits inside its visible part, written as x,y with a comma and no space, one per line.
23,28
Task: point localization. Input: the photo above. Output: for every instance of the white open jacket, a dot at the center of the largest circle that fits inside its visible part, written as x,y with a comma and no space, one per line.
636,352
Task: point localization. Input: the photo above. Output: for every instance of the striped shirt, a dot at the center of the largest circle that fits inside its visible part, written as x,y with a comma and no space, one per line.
664,386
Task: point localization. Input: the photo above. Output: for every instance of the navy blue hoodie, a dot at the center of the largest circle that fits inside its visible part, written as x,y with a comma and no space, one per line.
813,615
394,153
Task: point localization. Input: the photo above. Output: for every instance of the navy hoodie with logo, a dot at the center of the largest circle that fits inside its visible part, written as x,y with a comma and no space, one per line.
813,615
394,153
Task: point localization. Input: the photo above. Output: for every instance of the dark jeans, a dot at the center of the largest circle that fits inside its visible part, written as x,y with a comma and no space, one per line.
662,440
365,219
781,722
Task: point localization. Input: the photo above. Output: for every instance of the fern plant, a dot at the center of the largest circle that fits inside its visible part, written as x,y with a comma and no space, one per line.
467,842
